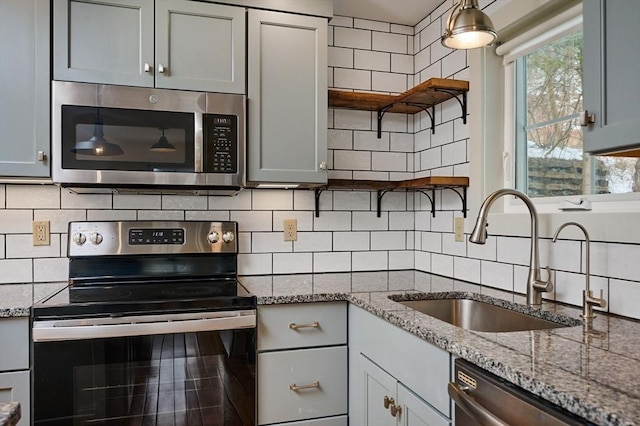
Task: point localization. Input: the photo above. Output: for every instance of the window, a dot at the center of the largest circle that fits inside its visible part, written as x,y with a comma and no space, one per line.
546,87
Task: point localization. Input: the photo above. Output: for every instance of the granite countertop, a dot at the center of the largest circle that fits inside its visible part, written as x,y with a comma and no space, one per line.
9,413
16,299
592,371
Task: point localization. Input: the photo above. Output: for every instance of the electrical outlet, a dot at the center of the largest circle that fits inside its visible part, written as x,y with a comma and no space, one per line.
290,229
41,234
458,228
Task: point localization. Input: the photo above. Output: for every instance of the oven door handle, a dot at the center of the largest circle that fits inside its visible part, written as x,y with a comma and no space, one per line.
98,328
476,411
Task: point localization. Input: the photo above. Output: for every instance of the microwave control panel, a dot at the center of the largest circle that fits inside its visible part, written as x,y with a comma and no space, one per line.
221,143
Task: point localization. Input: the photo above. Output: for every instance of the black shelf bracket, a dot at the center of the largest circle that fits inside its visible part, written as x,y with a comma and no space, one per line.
381,113
432,198
381,193
317,192
425,108
463,102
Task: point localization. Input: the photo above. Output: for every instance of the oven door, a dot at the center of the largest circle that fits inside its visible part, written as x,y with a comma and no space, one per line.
195,369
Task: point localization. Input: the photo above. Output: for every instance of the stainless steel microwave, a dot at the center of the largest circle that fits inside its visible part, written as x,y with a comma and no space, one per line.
135,139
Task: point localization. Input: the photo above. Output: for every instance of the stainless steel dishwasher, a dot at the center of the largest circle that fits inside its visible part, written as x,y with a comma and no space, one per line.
485,399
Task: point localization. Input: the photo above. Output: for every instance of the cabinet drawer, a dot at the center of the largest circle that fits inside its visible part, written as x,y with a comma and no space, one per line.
290,326
14,343
278,372
15,387
326,421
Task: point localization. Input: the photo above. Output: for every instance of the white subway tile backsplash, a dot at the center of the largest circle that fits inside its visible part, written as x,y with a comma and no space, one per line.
443,222
423,221
339,139
568,287
443,135
15,221
513,250
431,241
369,60
422,60
313,242
184,202
341,21
32,197
371,176
438,52
340,57
137,202
332,221
219,215
616,260
3,196
624,298
498,275
272,199
402,29
430,35
255,264
270,242
401,220
451,246
71,200
388,42
2,254
160,215
249,221
372,25
368,141
14,271
99,215
392,201
240,201
466,269
402,64
562,255
422,261
22,247
352,160
332,262
487,251
244,242
453,63
51,269
304,220
369,221
354,38
385,82
351,241
394,123
401,259
388,240
352,119
305,200
442,265
389,161
351,200
369,261
520,276
292,263
430,158
454,153
402,142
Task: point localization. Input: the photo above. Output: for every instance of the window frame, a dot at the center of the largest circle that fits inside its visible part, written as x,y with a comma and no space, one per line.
613,218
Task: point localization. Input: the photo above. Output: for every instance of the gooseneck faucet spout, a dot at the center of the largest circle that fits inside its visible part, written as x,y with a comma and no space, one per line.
535,284
588,299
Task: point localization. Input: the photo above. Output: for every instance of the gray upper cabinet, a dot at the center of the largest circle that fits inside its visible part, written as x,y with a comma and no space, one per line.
287,97
612,75
24,84
175,44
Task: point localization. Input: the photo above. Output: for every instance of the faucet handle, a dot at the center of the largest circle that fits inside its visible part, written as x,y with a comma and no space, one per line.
544,286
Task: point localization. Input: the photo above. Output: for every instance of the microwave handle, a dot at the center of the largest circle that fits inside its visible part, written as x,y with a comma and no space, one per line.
59,330
473,409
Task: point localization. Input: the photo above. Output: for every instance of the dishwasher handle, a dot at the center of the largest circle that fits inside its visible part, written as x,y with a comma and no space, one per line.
57,330
473,409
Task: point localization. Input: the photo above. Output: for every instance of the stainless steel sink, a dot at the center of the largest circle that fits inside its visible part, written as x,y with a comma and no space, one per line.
479,316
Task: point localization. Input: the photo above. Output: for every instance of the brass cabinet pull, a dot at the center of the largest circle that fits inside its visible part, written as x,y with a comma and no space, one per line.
387,402
294,326
395,410
312,385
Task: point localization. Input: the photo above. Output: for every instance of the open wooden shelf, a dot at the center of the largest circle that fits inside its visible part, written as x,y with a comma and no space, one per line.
423,97
422,185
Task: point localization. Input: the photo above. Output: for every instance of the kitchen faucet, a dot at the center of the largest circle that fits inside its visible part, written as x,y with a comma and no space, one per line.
535,285
588,300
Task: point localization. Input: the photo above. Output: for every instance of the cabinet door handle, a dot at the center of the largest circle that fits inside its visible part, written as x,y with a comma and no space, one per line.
312,385
586,118
294,326
323,165
147,67
396,410
42,157
162,69
387,401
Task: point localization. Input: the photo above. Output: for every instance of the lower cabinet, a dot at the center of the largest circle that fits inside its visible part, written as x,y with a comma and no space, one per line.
15,379
302,364
388,402
395,378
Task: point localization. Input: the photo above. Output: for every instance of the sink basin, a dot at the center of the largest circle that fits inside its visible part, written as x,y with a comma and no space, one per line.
479,316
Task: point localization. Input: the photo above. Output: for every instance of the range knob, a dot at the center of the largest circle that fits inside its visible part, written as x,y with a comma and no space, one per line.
228,237
79,238
95,238
213,237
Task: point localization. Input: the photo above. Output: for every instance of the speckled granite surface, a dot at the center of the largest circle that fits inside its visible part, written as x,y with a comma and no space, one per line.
593,371
16,299
9,413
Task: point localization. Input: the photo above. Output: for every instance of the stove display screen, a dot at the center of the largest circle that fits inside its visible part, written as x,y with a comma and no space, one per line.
156,236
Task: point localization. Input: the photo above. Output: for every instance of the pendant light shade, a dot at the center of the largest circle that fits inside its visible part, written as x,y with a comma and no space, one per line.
468,27
97,145
162,145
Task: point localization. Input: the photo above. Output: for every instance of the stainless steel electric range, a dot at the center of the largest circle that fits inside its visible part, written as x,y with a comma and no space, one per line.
153,329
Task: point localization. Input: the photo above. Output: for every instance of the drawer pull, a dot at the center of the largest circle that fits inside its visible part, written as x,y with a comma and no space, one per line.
294,326
396,410
388,401
312,385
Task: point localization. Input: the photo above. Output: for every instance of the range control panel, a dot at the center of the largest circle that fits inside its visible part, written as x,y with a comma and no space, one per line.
151,237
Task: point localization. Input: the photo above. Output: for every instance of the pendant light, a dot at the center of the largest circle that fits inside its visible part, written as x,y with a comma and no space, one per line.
97,145
163,144
468,27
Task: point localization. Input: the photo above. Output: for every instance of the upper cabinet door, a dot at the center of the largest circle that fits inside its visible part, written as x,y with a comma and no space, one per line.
24,88
200,46
104,41
612,74
287,91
